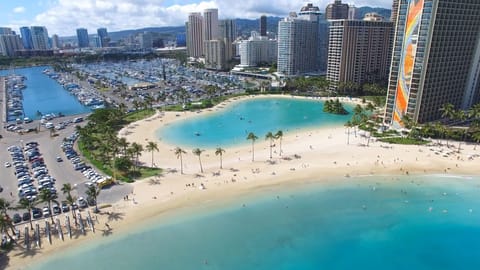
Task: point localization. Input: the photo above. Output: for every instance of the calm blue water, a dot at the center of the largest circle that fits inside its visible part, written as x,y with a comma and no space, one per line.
344,225
46,95
231,126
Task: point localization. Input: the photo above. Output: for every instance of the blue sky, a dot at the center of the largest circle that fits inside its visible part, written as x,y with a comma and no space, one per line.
64,16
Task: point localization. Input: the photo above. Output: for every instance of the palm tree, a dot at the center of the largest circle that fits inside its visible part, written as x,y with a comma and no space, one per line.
136,149
67,189
348,125
198,152
71,200
179,152
279,136
448,111
5,225
93,191
474,112
270,137
4,207
152,146
47,196
28,205
123,143
476,138
253,137
219,152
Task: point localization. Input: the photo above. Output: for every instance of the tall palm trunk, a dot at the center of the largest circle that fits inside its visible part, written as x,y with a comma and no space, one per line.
253,152
200,161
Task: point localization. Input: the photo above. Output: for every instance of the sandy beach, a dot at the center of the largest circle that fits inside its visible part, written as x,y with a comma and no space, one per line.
307,155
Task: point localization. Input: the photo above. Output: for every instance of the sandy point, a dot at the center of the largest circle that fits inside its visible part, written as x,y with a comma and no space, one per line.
310,155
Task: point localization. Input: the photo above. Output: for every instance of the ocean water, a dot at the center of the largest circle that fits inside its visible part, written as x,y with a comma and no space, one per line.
45,94
429,222
230,126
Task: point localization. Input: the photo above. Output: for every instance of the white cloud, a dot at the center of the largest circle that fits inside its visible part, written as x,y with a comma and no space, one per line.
19,10
64,16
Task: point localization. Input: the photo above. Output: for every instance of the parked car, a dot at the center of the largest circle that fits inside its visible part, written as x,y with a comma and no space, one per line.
65,207
16,218
26,216
56,209
36,213
46,212
82,203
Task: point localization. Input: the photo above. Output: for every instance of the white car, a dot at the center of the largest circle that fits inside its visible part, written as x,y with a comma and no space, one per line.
8,165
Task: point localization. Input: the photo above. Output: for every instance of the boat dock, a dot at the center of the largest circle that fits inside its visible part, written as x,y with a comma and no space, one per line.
3,101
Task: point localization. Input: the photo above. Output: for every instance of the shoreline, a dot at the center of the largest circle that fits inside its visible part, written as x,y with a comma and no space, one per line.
309,156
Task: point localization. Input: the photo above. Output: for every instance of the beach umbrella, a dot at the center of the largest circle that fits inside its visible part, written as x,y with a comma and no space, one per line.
37,235
69,229
27,238
59,228
47,231
82,226
90,222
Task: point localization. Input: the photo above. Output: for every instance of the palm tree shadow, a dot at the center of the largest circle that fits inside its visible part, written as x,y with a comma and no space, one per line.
170,170
24,253
114,216
106,232
154,182
4,261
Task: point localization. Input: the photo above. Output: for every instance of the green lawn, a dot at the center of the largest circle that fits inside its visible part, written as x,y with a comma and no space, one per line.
404,140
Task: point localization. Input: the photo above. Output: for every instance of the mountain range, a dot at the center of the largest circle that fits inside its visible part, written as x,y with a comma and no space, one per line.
244,26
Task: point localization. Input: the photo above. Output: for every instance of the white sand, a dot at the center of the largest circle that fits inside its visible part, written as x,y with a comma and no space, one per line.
322,155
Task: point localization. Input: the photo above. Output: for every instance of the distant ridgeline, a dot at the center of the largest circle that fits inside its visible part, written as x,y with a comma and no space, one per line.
335,107
244,26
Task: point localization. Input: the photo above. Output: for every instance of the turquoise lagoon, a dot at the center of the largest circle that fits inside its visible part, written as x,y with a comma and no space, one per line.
425,222
45,94
231,125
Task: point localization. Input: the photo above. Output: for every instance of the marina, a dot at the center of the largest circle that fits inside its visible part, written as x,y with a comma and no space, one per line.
32,94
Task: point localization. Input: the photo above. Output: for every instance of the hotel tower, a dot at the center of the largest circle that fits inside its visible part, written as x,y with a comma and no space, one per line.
436,59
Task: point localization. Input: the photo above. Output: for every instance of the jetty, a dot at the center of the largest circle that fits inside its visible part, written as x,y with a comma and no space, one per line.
3,95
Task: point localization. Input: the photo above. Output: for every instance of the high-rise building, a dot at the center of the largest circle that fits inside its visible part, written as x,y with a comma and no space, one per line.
436,59
195,35
337,11
82,37
103,37
352,12
215,54
228,34
10,44
56,42
374,17
5,31
359,52
39,38
393,17
258,50
263,26
181,40
322,54
297,45
146,40
210,24
26,37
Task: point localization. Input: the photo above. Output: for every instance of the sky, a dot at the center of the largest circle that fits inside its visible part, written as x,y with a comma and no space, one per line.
62,17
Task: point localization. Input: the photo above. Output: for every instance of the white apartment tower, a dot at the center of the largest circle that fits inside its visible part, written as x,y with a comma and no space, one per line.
298,45
39,38
210,24
195,35
257,50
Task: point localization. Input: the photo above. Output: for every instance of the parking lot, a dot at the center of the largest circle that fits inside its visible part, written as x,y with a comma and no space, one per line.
35,161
